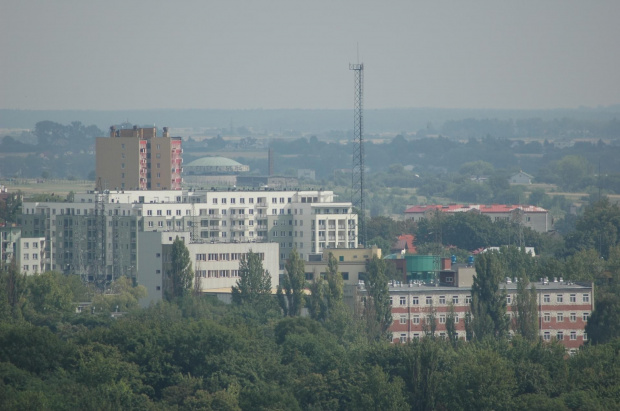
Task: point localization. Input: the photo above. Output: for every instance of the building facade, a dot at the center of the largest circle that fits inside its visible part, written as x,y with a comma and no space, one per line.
418,308
536,218
137,159
97,234
215,266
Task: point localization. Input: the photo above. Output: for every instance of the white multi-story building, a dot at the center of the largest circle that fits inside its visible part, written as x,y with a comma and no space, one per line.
97,233
30,255
215,266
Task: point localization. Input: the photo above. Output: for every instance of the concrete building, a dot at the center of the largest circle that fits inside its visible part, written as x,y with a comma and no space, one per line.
536,218
31,255
96,235
9,236
216,266
351,263
137,159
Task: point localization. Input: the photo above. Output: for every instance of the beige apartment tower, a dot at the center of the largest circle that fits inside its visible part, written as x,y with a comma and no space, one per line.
137,159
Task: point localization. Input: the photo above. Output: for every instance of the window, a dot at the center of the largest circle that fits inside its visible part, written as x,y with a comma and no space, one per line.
559,298
391,301
547,317
455,299
546,298
573,298
559,317
508,299
442,319
573,317
403,319
429,300
560,335
586,316
442,299
585,336
415,300
456,318
403,300
159,212
403,338
586,298
416,319
468,299
573,335
547,336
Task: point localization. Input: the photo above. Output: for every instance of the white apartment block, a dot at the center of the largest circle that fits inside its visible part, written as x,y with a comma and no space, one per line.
215,266
96,234
30,255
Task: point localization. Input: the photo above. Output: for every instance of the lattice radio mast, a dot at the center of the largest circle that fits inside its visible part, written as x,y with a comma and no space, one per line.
357,171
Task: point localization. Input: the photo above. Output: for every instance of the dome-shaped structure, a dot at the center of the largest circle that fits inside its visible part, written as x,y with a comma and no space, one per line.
214,165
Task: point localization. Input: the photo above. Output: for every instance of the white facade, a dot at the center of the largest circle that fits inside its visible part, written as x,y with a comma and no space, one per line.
215,266
309,221
30,255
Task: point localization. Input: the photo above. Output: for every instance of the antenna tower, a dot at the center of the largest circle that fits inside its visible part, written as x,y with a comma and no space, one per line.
357,171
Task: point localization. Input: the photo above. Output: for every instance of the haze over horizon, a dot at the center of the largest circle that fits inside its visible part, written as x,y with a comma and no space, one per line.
278,54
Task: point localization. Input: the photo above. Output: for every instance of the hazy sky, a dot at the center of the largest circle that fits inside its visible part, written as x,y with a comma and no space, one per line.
236,54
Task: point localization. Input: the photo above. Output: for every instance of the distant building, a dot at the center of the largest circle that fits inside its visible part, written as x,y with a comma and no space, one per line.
521,178
536,218
96,235
9,236
563,308
214,165
276,182
307,174
215,266
213,171
137,159
31,255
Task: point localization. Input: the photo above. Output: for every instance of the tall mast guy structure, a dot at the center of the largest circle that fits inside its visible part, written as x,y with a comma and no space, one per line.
357,171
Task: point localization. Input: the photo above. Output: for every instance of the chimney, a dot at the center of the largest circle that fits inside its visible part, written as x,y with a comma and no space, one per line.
166,132
112,131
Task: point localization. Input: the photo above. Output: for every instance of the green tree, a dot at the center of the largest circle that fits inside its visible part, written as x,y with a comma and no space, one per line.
597,228
13,289
526,309
488,304
122,296
180,273
604,322
326,294
377,309
451,332
291,293
49,293
9,208
254,283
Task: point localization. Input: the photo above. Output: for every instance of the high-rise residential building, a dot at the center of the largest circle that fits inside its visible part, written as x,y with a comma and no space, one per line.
137,159
96,235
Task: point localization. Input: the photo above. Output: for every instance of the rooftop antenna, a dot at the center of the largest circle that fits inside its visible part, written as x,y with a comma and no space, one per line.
357,170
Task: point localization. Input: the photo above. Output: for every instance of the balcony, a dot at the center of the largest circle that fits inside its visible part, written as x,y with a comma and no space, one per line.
262,205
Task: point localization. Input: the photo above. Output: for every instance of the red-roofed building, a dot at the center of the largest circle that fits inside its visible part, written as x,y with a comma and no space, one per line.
404,242
537,218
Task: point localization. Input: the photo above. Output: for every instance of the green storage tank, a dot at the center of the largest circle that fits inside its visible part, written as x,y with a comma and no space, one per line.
422,267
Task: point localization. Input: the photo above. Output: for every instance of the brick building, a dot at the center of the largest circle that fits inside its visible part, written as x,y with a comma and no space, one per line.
563,307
